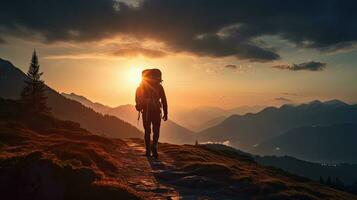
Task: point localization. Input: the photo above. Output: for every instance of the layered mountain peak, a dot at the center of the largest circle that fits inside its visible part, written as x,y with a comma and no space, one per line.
6,67
315,102
248,130
335,102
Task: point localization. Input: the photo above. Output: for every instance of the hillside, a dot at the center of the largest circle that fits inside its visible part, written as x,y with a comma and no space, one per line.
12,82
55,159
332,143
169,132
252,129
200,118
98,107
345,172
212,122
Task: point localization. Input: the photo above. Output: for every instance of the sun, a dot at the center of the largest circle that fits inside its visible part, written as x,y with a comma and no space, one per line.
134,75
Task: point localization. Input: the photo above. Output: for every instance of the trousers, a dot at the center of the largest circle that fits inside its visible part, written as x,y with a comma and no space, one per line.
151,118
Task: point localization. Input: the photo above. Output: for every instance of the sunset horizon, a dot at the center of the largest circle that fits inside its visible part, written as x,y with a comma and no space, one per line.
178,100
265,66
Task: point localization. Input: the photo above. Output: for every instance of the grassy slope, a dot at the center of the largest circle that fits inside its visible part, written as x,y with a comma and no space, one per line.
53,159
240,176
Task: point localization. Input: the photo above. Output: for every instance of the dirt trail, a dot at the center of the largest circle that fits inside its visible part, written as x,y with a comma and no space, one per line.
160,179
144,169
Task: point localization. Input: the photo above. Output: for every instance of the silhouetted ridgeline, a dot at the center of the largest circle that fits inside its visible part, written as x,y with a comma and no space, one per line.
344,172
251,130
12,82
169,132
332,143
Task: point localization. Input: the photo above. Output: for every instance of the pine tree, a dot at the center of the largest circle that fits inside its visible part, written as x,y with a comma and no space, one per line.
33,94
339,184
322,180
328,181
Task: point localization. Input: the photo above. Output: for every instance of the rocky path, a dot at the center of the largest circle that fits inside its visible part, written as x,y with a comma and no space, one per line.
143,180
160,179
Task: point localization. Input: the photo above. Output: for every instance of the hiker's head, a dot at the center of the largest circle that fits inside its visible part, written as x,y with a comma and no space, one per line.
152,76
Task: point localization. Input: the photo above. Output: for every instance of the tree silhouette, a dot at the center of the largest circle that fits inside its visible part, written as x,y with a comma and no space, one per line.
328,181
339,184
33,94
322,180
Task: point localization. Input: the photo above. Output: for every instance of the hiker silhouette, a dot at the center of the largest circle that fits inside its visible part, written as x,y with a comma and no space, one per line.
150,98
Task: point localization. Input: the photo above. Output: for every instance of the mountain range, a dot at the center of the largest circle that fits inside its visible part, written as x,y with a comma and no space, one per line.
326,129
345,172
330,143
12,82
250,130
169,132
202,117
43,157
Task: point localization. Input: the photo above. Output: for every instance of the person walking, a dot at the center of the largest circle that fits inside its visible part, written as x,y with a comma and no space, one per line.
150,100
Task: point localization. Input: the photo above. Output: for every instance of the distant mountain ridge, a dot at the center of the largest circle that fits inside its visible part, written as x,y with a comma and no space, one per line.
203,117
252,129
313,170
332,143
12,82
170,131
86,102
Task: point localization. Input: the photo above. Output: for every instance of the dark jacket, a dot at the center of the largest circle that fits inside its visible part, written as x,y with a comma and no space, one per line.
151,97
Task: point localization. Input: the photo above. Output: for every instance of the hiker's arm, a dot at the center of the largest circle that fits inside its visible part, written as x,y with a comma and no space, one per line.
164,101
137,96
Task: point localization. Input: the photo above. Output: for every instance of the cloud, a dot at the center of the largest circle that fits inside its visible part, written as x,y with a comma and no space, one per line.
109,50
231,66
136,51
112,53
283,99
2,41
204,27
310,66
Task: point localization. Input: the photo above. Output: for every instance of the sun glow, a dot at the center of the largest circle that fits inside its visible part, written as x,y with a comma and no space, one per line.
134,75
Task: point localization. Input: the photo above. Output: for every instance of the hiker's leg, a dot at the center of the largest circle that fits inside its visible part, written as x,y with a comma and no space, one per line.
147,132
156,121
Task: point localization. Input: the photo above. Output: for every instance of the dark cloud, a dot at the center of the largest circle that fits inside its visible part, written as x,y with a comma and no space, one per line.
2,41
283,99
135,51
231,66
310,66
202,27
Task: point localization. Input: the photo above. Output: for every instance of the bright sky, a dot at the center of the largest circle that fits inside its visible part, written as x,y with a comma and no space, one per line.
108,69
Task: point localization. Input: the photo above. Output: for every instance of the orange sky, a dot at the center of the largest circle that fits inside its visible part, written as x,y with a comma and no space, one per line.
216,53
201,81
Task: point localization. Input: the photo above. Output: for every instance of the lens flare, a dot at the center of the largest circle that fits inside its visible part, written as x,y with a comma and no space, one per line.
134,75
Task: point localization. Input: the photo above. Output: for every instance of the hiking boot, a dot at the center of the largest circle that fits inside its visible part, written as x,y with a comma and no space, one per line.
154,152
148,154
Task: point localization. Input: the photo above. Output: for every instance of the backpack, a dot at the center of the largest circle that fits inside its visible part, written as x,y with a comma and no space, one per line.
146,94
151,74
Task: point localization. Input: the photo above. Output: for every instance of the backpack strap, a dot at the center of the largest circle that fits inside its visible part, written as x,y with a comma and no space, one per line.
138,117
